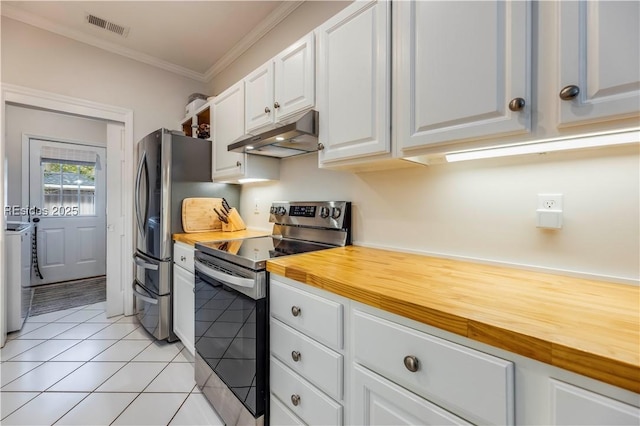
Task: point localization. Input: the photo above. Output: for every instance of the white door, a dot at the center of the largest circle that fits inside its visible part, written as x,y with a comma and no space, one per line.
460,64
258,94
228,116
600,56
294,72
378,401
354,82
67,192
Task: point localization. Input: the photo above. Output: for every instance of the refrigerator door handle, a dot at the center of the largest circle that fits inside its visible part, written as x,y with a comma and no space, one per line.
137,194
146,265
139,295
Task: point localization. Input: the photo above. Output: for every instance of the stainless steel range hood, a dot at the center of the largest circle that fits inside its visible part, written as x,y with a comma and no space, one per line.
299,137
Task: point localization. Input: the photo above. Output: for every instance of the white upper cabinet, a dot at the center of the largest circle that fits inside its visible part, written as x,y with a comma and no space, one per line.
294,73
259,101
282,87
599,60
462,70
353,82
228,118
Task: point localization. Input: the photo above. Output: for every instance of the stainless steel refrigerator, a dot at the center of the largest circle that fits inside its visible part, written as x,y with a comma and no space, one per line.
171,167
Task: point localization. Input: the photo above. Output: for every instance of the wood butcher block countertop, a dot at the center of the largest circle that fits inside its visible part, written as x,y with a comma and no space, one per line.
198,237
585,326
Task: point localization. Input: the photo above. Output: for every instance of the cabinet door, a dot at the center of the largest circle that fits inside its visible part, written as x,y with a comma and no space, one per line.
600,54
354,82
295,78
184,307
228,119
259,94
571,405
377,401
459,65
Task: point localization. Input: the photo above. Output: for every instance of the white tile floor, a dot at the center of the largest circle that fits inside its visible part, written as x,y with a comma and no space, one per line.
78,367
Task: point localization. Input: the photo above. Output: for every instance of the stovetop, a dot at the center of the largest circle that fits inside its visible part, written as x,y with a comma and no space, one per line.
253,253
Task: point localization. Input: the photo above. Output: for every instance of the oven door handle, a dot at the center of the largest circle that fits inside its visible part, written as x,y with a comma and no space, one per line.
224,278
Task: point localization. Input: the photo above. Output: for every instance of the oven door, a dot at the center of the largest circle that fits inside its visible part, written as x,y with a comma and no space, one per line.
231,337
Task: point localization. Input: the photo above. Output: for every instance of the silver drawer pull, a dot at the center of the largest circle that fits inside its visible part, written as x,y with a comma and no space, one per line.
183,259
411,362
295,311
295,399
295,355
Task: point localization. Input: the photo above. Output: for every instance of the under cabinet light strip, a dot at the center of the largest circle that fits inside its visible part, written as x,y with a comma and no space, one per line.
550,145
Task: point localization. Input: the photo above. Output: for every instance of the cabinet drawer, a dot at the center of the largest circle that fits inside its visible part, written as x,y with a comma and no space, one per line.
318,364
314,407
183,256
316,317
381,402
281,415
477,386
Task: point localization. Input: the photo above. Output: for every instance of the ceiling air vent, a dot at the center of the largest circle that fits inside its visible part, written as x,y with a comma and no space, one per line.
107,25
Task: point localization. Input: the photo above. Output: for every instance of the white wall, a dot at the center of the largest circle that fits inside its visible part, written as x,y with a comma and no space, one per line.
38,59
20,120
484,209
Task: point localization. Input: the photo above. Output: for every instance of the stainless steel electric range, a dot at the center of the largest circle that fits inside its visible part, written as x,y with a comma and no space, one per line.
231,303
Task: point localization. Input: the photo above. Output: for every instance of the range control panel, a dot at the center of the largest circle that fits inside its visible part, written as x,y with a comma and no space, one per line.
316,214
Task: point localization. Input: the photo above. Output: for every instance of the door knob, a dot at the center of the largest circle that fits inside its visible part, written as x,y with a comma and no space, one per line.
412,363
267,110
517,104
295,311
276,105
295,399
569,93
295,355
238,164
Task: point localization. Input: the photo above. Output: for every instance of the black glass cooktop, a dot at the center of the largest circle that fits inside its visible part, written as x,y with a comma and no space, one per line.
254,252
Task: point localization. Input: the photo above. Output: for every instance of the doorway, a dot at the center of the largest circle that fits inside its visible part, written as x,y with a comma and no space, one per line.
119,222
67,199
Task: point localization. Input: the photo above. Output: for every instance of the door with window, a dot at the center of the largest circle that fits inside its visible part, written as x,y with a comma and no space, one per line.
67,193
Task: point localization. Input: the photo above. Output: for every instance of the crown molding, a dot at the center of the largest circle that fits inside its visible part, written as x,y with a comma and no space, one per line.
266,25
256,34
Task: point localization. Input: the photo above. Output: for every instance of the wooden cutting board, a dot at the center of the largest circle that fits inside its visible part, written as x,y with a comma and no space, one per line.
198,214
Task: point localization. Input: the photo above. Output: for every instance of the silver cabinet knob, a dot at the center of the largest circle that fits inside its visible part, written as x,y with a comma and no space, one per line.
517,104
295,355
267,110
183,259
569,93
295,311
238,164
411,362
320,147
295,399
276,105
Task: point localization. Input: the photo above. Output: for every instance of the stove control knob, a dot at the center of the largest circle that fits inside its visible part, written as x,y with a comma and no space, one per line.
336,212
324,212
272,210
281,211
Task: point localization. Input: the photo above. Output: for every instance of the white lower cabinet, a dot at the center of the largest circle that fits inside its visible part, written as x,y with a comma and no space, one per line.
302,398
338,361
378,401
471,383
307,355
183,296
571,405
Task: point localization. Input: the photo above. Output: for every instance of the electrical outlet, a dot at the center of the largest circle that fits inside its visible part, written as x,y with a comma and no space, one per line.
256,204
550,202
